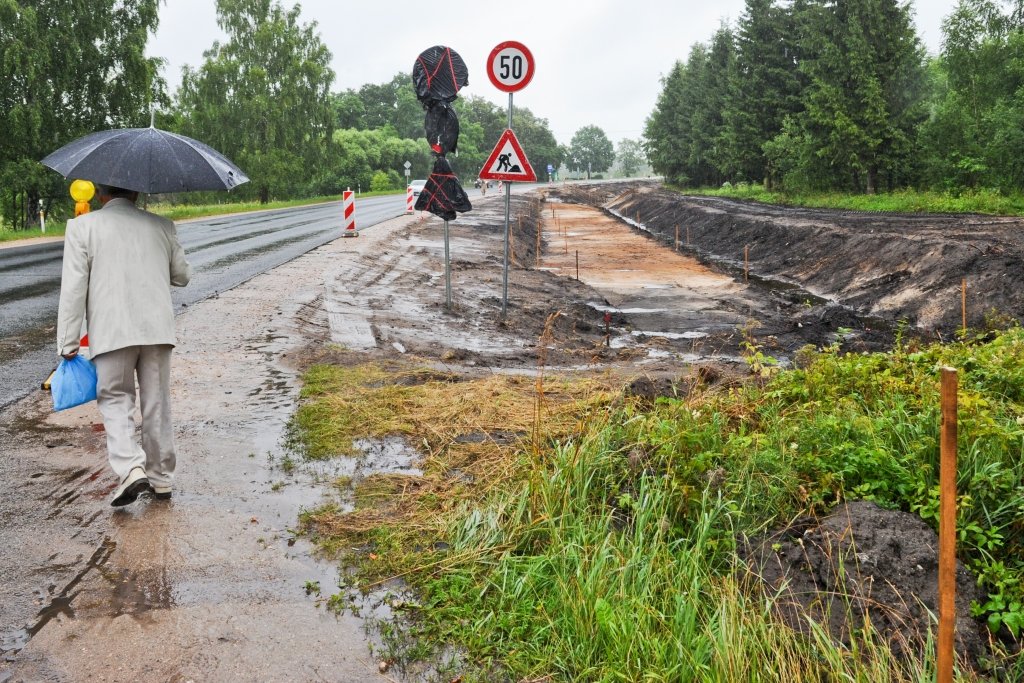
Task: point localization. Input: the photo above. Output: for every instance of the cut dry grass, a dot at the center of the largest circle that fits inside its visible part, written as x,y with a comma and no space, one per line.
474,435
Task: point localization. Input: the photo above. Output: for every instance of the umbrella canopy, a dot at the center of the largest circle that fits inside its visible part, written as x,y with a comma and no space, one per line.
146,160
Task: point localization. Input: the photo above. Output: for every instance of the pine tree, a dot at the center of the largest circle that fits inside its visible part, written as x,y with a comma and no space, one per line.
665,129
685,135
863,101
764,89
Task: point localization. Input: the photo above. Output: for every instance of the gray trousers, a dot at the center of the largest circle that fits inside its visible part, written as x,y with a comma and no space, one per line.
115,395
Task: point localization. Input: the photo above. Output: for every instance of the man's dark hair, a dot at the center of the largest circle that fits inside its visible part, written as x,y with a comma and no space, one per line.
121,192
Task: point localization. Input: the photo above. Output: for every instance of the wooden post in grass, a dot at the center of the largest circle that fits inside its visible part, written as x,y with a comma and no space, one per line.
963,303
947,527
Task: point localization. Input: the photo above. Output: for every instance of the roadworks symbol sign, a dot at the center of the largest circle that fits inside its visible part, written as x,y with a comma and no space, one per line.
508,162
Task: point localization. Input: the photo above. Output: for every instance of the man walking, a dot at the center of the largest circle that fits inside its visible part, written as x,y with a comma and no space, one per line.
119,264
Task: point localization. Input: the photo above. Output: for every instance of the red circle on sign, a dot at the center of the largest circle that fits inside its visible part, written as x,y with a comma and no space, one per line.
510,66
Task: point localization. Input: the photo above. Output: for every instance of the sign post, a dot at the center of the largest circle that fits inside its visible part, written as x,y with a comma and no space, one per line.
510,67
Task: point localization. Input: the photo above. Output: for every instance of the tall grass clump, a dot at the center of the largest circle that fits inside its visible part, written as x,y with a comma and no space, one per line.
606,567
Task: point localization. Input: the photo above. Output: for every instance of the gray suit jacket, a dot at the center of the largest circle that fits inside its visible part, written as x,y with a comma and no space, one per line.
119,264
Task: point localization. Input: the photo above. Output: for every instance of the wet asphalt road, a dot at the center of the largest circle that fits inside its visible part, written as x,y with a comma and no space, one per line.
224,251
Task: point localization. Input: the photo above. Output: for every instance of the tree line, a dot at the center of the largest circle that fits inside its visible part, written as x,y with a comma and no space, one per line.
262,96
822,95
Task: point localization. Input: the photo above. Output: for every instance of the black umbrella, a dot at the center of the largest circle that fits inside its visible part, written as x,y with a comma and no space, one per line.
146,160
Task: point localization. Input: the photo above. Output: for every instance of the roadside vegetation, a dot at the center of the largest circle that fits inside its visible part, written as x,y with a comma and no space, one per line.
53,229
819,102
181,212
990,202
293,136
601,543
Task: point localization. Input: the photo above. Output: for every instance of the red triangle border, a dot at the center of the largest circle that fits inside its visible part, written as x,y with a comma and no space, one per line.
528,175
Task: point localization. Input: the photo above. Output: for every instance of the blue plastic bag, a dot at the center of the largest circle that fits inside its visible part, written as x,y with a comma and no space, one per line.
74,383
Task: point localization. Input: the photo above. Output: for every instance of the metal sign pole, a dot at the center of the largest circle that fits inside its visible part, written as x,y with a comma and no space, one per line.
447,270
508,200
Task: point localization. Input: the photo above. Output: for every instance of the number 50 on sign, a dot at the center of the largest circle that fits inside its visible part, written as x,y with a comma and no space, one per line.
510,66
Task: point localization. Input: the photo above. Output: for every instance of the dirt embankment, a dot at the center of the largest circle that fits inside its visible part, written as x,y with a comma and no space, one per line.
890,266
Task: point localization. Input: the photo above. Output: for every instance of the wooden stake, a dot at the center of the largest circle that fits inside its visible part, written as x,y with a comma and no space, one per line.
687,235
577,265
512,243
947,527
677,238
963,303
536,256
746,263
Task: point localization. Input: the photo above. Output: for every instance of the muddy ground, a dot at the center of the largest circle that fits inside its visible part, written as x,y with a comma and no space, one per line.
216,586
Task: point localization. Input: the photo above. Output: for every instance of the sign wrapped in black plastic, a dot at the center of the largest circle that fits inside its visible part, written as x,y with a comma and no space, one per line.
437,76
443,194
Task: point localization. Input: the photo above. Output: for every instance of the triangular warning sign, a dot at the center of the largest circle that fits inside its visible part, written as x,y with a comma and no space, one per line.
508,162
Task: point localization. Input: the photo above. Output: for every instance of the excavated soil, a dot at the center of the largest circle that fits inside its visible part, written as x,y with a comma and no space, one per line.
864,564
893,267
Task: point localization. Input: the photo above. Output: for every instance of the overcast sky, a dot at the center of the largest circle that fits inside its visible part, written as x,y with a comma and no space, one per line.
598,62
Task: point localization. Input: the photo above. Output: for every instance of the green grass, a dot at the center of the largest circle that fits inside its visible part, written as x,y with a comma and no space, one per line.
902,201
179,212
53,229
608,554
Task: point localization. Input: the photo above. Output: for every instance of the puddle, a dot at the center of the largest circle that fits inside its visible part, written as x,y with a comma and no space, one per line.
670,335
59,605
391,455
234,509
625,311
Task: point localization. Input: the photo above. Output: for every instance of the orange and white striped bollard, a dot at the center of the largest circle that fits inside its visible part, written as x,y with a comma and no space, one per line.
348,203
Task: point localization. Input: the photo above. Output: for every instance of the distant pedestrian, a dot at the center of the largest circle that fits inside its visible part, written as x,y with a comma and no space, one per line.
119,265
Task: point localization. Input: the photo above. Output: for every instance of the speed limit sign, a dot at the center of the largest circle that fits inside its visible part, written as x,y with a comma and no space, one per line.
510,66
